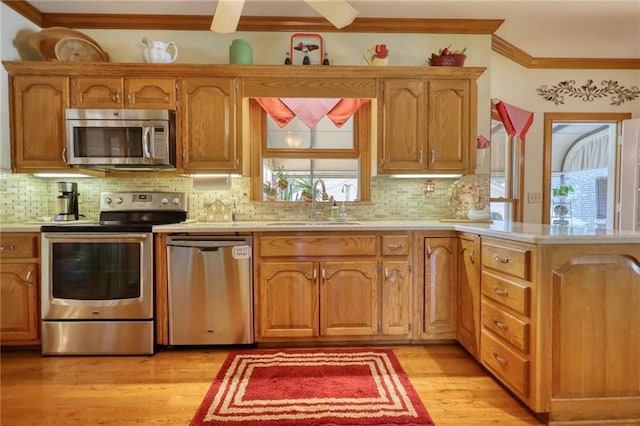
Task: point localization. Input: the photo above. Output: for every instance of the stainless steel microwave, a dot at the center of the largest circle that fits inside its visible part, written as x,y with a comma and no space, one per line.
121,138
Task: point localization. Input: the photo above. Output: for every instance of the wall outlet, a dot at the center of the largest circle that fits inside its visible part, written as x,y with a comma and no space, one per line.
534,197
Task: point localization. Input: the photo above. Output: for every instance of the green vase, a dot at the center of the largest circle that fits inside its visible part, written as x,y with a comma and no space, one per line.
240,52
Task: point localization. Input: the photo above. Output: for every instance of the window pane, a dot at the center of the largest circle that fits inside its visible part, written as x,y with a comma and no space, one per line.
297,135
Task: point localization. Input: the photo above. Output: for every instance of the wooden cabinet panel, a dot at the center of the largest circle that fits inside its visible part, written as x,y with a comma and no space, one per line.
288,299
396,297
123,92
19,289
349,298
210,136
15,246
395,245
512,259
319,245
38,127
505,325
402,126
151,93
506,292
440,287
427,125
469,293
449,130
508,365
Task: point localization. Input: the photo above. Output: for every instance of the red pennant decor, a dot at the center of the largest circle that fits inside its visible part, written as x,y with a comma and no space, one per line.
312,387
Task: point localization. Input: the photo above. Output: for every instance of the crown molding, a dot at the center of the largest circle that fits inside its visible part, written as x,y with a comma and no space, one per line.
521,57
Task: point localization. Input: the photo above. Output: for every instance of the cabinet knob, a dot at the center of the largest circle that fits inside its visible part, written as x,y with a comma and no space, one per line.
500,292
499,324
500,359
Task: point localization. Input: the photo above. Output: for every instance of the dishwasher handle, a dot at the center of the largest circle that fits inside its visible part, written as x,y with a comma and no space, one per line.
207,244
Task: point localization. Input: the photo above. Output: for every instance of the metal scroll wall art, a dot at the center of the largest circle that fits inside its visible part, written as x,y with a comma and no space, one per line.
588,92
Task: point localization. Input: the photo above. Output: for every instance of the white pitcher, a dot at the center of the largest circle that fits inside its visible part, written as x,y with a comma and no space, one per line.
158,51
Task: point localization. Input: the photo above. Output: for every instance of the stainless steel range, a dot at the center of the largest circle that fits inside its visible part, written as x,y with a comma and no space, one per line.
97,280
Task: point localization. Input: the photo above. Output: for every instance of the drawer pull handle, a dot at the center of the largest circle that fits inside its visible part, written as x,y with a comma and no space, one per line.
500,359
428,250
501,259
500,292
394,246
7,247
472,257
499,324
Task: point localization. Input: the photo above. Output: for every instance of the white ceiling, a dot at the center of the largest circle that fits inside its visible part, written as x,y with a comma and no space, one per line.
553,28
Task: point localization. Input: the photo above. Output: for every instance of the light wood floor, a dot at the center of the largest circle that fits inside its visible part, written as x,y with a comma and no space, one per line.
167,388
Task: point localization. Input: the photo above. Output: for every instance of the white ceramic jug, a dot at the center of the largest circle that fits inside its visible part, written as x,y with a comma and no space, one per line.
158,51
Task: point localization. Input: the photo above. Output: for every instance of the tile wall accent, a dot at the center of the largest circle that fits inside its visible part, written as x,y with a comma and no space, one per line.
27,198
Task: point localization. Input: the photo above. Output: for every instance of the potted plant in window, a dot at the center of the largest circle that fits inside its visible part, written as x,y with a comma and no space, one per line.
561,193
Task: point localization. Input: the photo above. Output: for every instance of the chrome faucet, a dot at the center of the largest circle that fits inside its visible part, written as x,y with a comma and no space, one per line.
325,196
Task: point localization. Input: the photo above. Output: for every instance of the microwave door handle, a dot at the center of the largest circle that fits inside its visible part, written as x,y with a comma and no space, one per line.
146,141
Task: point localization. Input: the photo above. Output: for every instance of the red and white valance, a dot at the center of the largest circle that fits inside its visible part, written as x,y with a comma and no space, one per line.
310,110
516,120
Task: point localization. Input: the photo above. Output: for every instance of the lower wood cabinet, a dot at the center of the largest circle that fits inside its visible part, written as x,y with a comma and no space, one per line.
325,287
19,289
468,333
440,289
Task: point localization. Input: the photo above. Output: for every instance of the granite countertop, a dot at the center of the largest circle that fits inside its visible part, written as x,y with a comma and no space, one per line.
524,232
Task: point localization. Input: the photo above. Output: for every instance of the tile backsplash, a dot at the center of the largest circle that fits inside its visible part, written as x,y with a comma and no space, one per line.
28,198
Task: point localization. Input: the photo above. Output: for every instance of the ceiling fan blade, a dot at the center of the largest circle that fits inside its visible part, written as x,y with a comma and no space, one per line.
227,16
338,12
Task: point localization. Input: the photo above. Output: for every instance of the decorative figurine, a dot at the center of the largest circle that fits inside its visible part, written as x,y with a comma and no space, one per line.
287,60
325,61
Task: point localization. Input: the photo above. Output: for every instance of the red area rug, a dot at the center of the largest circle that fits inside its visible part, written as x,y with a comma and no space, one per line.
312,387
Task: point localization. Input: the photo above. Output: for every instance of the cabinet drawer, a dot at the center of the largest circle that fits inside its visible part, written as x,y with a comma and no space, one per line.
395,245
18,246
510,260
318,245
505,325
510,367
506,292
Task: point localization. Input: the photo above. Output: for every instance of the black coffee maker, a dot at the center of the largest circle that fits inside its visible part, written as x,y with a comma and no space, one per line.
67,202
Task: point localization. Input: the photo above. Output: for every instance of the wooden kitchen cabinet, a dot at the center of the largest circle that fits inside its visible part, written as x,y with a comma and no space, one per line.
123,92
439,308
333,287
427,125
38,132
210,125
507,339
19,289
468,334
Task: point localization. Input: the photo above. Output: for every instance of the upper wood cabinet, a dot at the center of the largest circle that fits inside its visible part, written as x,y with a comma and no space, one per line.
122,92
209,125
427,125
38,132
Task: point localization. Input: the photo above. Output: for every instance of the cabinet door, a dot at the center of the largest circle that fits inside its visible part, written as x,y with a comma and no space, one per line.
209,134
151,93
469,294
440,292
396,287
449,126
349,298
288,299
18,303
39,135
402,127
97,92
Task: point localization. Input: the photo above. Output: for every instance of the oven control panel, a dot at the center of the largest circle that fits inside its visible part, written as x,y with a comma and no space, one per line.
146,201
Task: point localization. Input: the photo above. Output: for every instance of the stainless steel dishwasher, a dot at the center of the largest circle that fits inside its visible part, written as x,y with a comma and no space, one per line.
210,290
